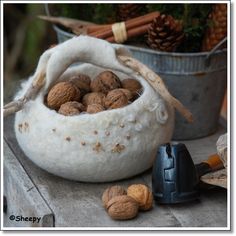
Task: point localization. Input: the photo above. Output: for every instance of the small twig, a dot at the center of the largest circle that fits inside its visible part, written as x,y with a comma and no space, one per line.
157,84
77,26
10,104
15,107
32,91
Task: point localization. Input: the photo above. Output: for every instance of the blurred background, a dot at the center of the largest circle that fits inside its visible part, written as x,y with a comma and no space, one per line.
25,38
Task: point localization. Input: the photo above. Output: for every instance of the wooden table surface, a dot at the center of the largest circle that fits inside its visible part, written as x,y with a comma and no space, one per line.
68,203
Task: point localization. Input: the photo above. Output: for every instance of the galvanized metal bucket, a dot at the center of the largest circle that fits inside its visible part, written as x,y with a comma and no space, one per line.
198,80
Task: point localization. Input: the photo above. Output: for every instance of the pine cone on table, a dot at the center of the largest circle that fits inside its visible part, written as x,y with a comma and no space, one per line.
165,33
217,29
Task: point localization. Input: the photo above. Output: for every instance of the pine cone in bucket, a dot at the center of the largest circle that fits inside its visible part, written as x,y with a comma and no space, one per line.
128,11
218,27
165,33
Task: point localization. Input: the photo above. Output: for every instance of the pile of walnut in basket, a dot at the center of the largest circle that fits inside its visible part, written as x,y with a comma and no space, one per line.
80,94
122,204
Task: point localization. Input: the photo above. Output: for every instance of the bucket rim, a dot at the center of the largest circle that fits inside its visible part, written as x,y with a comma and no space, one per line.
147,50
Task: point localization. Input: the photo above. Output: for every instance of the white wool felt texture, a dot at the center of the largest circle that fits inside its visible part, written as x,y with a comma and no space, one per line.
56,60
84,49
101,147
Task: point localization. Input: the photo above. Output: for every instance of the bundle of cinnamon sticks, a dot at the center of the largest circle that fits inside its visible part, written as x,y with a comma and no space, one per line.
134,27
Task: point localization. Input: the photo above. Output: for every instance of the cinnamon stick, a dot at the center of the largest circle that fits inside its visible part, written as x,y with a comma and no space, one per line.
96,28
132,32
132,23
141,20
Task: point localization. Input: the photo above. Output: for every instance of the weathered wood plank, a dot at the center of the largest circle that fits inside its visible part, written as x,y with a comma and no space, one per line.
23,198
209,211
77,204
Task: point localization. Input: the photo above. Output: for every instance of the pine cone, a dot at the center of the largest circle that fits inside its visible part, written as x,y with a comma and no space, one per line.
165,33
218,27
128,11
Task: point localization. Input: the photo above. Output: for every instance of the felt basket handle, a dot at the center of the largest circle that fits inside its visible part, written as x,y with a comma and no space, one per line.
55,61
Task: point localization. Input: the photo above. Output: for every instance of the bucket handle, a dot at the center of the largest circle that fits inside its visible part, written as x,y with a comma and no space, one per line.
208,57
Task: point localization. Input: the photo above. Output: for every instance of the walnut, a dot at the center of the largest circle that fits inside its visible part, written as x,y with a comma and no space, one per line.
127,92
122,208
93,98
71,108
61,93
142,195
95,108
133,86
115,99
84,78
105,82
111,192
82,82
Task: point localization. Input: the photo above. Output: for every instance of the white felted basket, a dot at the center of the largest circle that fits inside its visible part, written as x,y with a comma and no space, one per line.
105,146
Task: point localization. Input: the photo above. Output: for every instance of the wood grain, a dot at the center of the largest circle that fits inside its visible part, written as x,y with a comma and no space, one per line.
23,197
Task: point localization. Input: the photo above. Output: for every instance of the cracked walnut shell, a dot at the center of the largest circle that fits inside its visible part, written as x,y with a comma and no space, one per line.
122,208
116,99
61,93
142,195
71,108
111,192
93,98
105,82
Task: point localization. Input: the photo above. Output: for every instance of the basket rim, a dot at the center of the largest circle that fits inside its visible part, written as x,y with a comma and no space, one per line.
144,93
